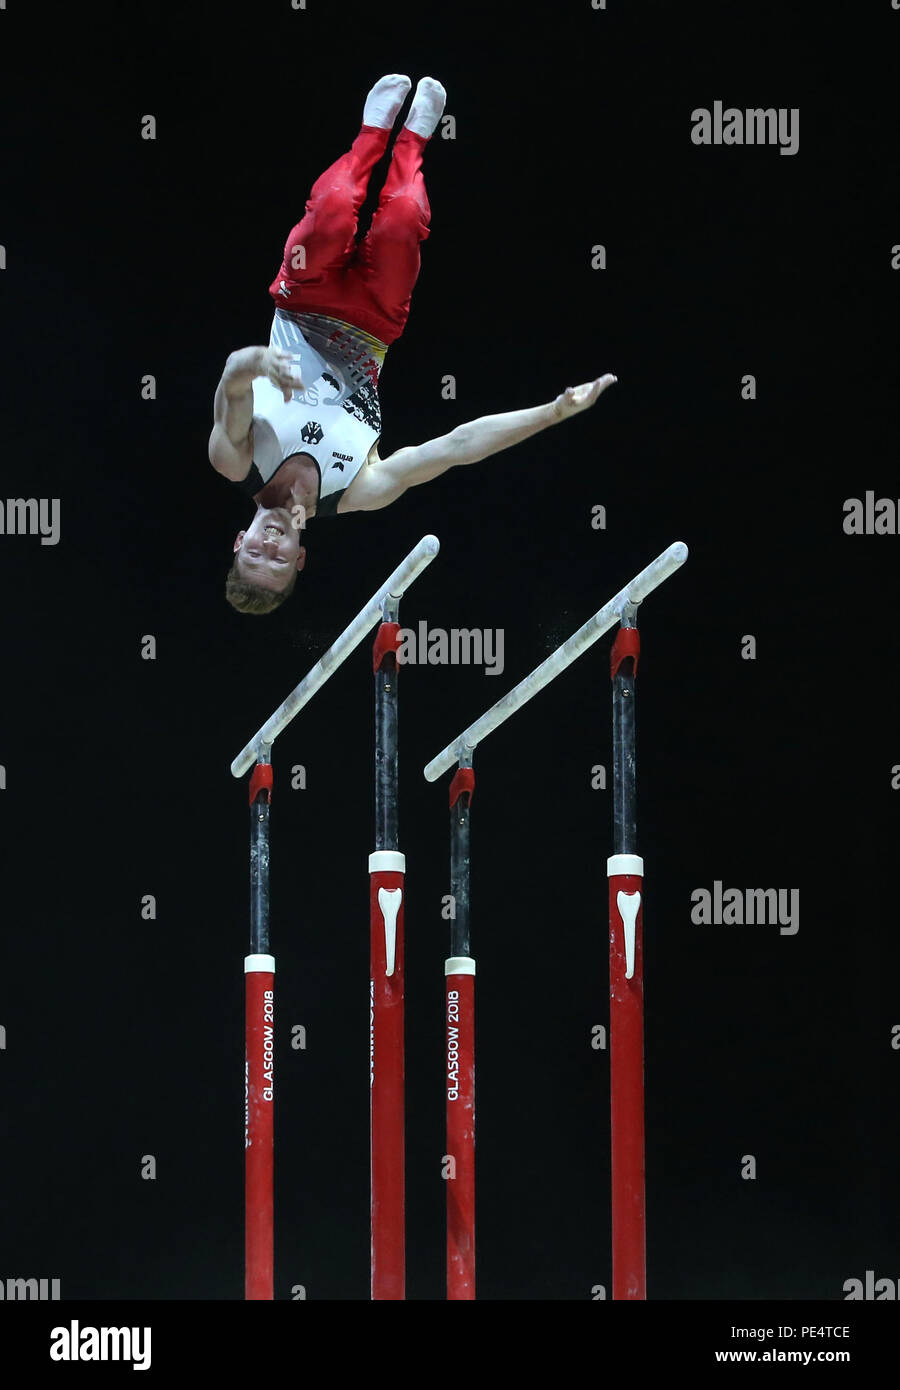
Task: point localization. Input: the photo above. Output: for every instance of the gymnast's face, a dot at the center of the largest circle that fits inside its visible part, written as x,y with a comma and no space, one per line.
270,551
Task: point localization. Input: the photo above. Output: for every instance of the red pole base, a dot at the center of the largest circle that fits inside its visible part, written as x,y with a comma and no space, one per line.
259,1068
626,1081
386,1076
459,1160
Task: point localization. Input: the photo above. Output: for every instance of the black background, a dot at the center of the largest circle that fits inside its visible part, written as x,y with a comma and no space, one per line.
127,257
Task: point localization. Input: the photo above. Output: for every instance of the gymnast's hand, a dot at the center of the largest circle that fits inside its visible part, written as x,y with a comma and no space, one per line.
576,398
280,368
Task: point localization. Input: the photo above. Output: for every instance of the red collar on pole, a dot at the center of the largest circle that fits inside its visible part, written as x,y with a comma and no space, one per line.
261,781
627,643
463,781
387,639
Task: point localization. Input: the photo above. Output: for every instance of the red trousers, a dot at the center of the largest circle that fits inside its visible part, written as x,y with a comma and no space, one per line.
367,283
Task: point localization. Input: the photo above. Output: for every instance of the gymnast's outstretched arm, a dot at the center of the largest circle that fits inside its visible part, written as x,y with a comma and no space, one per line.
387,479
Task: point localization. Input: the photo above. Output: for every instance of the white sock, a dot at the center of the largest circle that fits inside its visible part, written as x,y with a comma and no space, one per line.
385,100
427,107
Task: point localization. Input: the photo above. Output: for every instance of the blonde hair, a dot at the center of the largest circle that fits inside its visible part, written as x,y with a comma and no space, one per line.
253,598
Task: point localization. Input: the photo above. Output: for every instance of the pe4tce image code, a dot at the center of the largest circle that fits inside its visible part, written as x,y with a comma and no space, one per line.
788,1331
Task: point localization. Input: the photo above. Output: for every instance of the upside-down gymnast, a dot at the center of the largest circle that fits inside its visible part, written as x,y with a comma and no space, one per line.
297,422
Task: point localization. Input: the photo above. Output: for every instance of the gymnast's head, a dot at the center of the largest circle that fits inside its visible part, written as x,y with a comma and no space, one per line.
267,559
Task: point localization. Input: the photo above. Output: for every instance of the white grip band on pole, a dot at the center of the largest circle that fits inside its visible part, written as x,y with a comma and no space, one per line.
387,861
624,864
254,963
459,965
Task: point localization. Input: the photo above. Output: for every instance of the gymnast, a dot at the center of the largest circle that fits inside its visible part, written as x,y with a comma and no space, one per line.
297,423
